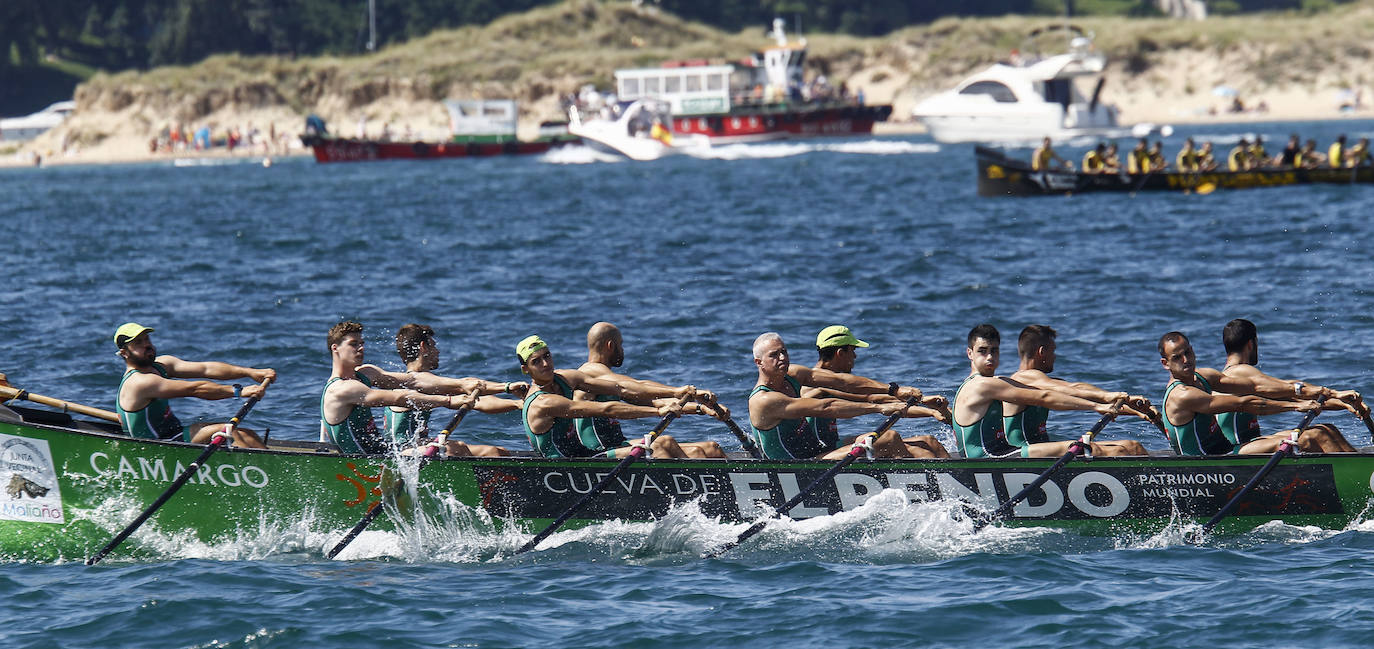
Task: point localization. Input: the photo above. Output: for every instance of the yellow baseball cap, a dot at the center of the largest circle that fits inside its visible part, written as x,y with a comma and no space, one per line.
527,347
837,336
129,331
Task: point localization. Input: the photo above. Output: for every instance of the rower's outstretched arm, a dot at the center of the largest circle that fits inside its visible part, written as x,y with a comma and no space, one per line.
552,405
632,390
1009,391
845,382
214,370
1194,400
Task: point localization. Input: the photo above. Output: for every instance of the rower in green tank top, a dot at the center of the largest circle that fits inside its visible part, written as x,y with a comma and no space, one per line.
1191,404
836,352
980,401
150,381
550,408
349,395
1241,340
605,355
1026,426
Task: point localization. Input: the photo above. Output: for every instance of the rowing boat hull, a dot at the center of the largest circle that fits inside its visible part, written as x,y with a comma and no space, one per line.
83,484
999,175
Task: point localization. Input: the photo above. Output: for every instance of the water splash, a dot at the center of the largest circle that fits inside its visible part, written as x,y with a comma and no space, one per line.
578,155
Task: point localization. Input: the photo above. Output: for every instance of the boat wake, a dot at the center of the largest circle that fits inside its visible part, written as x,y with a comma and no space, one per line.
578,155
789,149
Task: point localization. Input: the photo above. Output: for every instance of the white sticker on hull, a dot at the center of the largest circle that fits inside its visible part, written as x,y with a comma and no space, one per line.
31,490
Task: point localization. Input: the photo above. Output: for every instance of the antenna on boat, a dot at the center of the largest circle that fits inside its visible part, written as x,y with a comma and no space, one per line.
371,25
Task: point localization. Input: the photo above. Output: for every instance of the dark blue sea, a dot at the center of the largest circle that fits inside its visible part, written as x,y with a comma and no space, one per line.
692,257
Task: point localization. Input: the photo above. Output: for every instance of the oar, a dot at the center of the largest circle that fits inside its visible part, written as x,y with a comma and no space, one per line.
854,452
1284,448
11,393
376,509
217,441
635,452
1077,447
748,444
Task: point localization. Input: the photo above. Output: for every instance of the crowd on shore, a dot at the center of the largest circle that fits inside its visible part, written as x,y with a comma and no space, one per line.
1246,155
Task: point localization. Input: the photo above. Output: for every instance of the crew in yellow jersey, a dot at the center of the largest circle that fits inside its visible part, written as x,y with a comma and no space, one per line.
1239,158
1092,160
1206,160
1111,162
1157,162
1335,156
1360,155
1138,159
1308,158
1187,157
1040,160
1258,156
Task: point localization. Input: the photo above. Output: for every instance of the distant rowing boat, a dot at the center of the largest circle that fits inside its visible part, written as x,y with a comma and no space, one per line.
59,472
1000,175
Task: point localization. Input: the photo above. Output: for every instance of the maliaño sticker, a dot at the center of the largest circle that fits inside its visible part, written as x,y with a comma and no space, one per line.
31,490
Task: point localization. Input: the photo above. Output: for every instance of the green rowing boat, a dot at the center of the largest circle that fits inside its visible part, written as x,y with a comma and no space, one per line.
72,484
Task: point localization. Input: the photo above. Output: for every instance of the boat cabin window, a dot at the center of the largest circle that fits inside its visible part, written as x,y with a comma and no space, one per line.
631,87
672,84
693,83
1059,91
651,86
998,91
715,81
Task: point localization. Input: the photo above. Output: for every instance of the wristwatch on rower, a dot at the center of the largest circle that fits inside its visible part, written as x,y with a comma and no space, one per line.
892,388
238,389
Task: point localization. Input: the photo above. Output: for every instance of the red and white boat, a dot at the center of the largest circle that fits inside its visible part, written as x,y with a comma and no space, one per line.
480,128
764,97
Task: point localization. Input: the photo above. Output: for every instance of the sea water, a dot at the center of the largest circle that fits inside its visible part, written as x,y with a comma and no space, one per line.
692,257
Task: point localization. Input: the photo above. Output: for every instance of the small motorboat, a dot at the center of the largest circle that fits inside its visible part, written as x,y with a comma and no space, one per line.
639,130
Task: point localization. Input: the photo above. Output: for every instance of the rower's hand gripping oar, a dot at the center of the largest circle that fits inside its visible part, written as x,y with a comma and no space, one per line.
217,441
432,450
635,452
859,448
1285,448
1076,448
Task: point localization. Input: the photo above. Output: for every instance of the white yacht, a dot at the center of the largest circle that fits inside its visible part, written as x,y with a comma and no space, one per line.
638,130
1027,99
18,129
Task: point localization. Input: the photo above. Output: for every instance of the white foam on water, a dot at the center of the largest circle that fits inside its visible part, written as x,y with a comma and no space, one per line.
578,155
768,150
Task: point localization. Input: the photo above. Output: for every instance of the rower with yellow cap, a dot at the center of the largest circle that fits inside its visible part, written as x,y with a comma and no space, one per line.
835,345
150,381
550,410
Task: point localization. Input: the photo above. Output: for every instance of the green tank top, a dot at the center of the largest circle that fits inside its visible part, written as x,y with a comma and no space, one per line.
407,426
358,432
985,437
1239,427
1201,435
153,421
1027,427
600,433
561,439
790,438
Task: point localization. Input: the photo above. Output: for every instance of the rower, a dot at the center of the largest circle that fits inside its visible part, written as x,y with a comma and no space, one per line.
1111,162
1187,160
348,397
1259,158
778,413
1335,156
1241,340
1239,158
1157,162
1360,155
835,346
978,416
605,350
550,409
1041,158
1190,407
1138,159
1026,425
1288,158
149,382
1093,159
1308,158
1206,160
409,426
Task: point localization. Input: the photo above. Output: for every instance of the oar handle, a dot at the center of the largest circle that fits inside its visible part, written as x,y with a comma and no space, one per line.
635,452
216,442
442,438
13,393
744,441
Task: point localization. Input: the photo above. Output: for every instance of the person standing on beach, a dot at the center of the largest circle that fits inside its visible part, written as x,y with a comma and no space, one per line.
606,350
151,381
